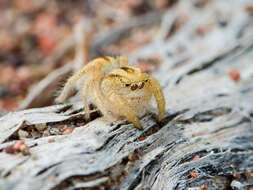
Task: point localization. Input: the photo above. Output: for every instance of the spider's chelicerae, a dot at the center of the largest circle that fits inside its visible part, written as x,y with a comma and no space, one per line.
117,89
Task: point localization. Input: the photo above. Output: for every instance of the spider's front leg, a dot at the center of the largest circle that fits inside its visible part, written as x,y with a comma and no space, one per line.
156,89
121,107
96,68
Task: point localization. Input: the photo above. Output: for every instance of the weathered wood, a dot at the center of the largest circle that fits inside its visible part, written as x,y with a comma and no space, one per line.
207,129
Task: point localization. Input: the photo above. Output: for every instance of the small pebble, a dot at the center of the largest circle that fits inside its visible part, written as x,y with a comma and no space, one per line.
17,145
10,150
67,131
203,187
249,9
195,157
234,75
193,175
51,140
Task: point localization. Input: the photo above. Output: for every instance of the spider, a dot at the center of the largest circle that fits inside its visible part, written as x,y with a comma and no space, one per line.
117,89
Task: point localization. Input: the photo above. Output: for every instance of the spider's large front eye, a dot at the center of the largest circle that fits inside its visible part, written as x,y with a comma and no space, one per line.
134,86
141,85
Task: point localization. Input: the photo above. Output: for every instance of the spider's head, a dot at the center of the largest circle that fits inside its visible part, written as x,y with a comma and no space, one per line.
130,77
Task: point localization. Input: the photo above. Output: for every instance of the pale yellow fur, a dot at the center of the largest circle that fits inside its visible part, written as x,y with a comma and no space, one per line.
117,89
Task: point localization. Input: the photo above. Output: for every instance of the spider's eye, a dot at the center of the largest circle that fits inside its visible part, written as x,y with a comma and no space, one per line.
146,80
134,86
127,85
141,85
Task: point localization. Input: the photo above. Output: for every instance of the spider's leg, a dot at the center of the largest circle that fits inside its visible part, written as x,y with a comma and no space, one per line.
100,101
158,93
100,66
70,86
122,108
85,93
122,60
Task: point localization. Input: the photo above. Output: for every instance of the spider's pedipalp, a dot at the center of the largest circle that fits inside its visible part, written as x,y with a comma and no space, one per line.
122,108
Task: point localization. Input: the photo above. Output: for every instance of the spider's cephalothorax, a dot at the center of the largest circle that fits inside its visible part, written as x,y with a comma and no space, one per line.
118,90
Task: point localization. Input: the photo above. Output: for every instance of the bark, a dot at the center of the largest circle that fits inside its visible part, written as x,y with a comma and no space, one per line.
205,137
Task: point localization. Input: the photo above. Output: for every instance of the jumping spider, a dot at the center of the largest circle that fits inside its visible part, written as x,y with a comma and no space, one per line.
117,89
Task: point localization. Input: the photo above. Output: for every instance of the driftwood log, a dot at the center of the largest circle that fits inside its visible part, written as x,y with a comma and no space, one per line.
204,141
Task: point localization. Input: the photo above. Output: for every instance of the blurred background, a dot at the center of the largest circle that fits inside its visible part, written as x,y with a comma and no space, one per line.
43,41
40,36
